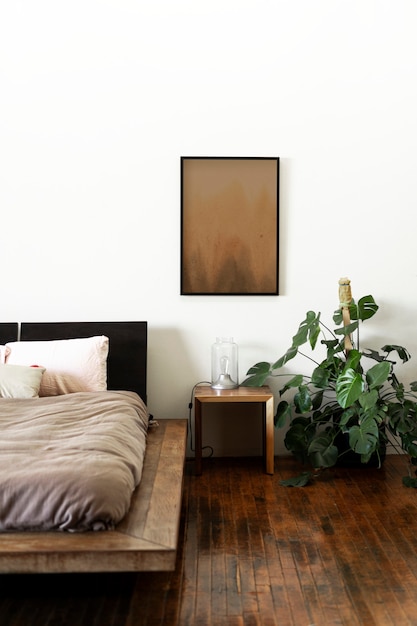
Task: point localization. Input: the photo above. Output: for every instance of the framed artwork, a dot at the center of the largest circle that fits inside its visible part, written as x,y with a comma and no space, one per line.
229,225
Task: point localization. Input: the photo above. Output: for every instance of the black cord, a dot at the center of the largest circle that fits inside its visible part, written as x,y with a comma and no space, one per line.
190,408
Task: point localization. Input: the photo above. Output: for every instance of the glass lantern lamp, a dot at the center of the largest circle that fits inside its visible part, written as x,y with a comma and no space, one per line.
224,364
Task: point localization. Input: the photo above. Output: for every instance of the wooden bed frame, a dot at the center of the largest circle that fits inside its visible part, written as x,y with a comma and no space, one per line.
146,539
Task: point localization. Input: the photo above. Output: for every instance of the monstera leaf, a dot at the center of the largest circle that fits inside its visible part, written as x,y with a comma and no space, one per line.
322,452
364,310
258,374
297,481
363,438
302,400
349,387
378,374
283,412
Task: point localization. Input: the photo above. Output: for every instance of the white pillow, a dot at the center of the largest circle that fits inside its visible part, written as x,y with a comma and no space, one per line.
71,364
19,381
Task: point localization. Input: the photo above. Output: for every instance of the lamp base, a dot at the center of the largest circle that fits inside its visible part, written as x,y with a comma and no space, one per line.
224,382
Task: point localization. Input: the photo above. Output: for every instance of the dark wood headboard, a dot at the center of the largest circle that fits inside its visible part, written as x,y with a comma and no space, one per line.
127,360
8,332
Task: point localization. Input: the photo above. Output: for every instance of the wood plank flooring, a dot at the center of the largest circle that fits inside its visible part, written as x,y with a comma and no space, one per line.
340,552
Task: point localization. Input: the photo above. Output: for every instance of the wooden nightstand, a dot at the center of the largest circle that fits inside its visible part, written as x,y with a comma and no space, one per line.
262,395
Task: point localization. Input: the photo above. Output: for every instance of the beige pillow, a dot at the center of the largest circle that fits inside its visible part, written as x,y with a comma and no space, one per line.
19,381
71,364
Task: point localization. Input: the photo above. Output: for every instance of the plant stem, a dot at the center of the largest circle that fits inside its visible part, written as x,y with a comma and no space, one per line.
308,357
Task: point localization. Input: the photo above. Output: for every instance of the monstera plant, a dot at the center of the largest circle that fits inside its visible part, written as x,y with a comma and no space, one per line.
352,402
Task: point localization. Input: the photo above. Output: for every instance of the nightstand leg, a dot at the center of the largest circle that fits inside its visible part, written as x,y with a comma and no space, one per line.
269,436
198,438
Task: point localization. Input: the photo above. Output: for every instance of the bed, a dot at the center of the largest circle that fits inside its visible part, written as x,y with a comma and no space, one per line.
147,536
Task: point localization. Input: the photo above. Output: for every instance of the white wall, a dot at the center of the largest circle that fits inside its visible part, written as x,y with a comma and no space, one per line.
100,98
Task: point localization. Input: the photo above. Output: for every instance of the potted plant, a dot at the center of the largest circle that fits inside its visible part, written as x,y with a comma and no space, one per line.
352,401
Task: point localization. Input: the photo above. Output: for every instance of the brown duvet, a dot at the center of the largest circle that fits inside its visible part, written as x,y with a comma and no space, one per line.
70,462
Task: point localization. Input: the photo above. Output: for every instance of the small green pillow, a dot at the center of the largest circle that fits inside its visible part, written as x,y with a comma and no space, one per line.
20,381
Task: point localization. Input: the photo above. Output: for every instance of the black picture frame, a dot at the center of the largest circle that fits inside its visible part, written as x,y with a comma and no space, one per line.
229,225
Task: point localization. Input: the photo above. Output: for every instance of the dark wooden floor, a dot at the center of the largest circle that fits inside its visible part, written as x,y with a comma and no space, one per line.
342,551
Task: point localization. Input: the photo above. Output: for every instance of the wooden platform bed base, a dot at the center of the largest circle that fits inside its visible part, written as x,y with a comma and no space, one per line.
146,540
